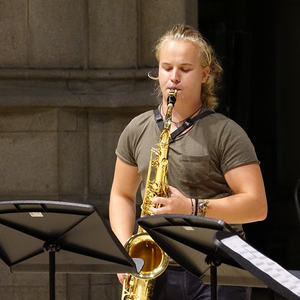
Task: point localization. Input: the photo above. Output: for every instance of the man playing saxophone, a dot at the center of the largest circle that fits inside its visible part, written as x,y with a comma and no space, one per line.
213,169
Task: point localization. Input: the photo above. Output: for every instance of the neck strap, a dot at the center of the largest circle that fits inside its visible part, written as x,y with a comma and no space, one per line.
187,123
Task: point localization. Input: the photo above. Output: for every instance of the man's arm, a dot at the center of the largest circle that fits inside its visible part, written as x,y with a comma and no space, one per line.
247,204
122,205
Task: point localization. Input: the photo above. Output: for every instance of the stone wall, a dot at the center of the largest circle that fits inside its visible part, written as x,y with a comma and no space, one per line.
72,75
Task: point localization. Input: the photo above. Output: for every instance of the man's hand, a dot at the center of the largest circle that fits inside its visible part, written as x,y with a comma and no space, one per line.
121,277
176,203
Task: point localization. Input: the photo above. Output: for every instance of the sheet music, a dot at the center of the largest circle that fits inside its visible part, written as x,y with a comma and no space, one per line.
263,263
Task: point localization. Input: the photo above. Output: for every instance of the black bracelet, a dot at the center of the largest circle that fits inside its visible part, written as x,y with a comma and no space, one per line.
192,205
196,207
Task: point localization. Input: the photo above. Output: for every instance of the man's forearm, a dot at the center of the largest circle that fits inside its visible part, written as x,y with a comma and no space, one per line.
122,213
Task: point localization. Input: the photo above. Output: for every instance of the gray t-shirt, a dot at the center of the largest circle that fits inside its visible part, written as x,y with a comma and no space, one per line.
198,159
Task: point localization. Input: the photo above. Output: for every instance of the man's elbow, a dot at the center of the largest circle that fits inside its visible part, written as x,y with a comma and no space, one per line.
262,212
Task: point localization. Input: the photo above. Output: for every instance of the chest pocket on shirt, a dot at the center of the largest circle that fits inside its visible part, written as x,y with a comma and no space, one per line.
195,169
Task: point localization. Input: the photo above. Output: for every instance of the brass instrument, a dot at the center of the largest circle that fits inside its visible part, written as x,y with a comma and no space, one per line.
140,286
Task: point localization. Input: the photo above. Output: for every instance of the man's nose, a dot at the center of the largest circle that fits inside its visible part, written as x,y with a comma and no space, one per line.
175,76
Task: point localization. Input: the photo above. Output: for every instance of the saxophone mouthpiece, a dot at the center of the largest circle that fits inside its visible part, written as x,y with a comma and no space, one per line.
172,96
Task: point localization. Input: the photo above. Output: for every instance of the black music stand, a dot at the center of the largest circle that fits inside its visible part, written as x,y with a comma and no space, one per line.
33,233
186,238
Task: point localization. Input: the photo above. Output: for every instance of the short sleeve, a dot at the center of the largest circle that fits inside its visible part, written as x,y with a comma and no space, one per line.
236,147
125,146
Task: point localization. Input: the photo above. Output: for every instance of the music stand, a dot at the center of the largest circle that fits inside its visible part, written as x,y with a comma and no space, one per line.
73,232
185,239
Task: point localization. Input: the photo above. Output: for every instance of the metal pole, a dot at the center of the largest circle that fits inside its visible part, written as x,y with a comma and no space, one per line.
52,274
213,282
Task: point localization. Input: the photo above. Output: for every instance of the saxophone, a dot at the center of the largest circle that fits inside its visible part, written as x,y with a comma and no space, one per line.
140,286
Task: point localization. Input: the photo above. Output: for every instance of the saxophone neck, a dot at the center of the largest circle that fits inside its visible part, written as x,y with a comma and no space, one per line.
170,104
172,97
169,112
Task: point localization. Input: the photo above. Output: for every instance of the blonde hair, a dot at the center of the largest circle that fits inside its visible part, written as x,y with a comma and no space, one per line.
208,58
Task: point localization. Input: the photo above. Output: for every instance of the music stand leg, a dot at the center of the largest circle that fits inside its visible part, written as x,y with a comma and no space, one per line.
213,282
52,248
52,275
213,263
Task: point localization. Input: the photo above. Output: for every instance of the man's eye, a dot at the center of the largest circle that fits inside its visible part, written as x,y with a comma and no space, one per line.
186,70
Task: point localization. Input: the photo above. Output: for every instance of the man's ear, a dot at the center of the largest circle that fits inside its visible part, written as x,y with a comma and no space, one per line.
206,72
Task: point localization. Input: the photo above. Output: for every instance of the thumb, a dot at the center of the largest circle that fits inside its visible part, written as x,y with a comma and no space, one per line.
171,189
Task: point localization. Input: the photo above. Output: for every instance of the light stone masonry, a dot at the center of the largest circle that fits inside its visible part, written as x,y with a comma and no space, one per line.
73,73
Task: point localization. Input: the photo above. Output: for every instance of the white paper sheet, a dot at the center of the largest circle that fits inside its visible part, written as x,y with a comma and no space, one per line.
263,263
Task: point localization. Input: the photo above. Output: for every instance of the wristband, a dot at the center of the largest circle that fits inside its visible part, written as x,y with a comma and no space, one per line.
202,207
192,206
196,207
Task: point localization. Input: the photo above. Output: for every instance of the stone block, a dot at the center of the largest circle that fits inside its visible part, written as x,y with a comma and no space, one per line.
105,292
73,162
36,93
112,34
57,34
72,120
72,152
78,279
60,292
28,120
105,129
78,287
28,163
101,279
150,29
25,279
31,286
168,14
13,32
129,92
24,293
67,120
115,93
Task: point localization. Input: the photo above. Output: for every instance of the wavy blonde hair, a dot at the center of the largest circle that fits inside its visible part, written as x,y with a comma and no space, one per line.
208,58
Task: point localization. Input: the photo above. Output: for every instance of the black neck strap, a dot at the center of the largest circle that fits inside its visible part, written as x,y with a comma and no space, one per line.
187,123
